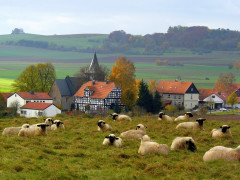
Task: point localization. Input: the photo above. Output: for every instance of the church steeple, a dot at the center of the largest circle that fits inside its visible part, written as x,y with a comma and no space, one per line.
94,64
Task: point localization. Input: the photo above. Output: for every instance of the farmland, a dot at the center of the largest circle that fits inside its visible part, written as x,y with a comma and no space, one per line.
77,152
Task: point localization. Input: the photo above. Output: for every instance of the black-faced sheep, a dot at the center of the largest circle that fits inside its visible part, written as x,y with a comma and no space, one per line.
223,131
182,143
147,146
102,125
120,117
164,117
113,140
14,130
47,121
222,153
57,124
192,125
34,131
184,117
135,134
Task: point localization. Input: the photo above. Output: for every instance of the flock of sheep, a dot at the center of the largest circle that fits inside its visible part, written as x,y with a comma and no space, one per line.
148,146
27,130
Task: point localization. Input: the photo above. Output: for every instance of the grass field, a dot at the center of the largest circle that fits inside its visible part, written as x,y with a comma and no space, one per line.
77,152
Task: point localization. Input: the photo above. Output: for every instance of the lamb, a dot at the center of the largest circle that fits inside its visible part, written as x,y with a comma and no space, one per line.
223,131
222,153
184,117
192,125
147,146
135,134
164,117
120,117
14,130
103,126
34,131
182,143
57,124
113,140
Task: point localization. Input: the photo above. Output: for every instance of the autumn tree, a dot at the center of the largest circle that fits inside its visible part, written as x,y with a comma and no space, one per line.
37,78
123,74
2,102
152,86
225,82
237,65
232,99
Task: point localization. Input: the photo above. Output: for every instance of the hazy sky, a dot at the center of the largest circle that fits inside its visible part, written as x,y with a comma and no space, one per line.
104,16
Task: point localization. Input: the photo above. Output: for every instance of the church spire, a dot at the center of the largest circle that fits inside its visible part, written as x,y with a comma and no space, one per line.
94,64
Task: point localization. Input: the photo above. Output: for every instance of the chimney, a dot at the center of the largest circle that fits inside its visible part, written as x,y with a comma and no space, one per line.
31,92
107,82
93,82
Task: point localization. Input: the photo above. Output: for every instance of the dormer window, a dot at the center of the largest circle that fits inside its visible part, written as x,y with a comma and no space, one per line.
191,89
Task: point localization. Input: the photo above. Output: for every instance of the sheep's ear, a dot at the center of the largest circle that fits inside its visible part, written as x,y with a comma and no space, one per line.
104,123
106,136
187,142
38,125
117,138
46,125
228,127
145,127
221,127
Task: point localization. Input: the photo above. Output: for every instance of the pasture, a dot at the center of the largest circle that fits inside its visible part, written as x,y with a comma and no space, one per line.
77,152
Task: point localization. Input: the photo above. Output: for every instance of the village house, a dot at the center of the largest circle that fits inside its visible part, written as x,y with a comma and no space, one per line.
36,109
179,93
97,95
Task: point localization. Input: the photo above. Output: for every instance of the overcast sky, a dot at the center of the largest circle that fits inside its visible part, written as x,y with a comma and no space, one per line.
104,16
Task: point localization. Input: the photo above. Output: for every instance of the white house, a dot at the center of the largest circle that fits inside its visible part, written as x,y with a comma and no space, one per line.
35,109
18,99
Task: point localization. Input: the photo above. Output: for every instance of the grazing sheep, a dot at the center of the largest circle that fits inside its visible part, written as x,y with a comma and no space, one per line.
14,130
182,143
192,125
184,117
113,140
135,134
103,126
34,131
57,124
147,146
120,117
164,117
223,131
222,153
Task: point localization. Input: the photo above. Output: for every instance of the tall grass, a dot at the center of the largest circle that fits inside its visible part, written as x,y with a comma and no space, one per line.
77,152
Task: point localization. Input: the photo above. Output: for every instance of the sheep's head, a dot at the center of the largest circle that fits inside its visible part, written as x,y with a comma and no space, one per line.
200,121
145,138
42,126
49,121
140,127
224,128
191,145
112,138
58,122
25,126
114,116
100,122
189,114
161,114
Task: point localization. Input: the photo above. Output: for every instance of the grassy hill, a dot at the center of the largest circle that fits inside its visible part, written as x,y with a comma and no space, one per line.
77,152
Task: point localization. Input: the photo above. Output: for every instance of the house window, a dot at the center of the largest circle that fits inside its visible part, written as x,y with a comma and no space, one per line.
191,96
27,102
213,96
168,95
40,113
191,89
174,96
23,112
44,101
179,97
15,95
40,101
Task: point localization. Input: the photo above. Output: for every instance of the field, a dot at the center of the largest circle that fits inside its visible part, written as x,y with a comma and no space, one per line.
77,152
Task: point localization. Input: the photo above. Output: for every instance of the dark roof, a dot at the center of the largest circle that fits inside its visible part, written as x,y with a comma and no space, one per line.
68,86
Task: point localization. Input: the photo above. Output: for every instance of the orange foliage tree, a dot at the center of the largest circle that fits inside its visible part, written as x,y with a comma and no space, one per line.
225,82
237,65
123,74
152,86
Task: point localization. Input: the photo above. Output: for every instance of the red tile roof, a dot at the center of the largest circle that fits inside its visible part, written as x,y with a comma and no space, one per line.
35,105
6,95
35,96
173,87
203,93
100,89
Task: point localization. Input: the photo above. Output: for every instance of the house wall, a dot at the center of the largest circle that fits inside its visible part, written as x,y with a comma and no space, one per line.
51,111
15,98
177,99
190,100
66,102
212,100
55,94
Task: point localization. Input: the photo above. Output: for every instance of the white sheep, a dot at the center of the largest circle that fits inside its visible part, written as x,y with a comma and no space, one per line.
34,131
120,117
135,134
184,117
102,125
182,143
14,130
222,153
113,140
47,121
147,146
57,124
192,125
164,117
223,131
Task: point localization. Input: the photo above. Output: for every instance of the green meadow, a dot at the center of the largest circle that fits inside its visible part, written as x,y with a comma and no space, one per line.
77,152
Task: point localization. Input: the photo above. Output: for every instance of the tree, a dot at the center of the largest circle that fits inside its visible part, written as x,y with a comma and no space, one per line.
157,104
232,99
225,82
152,86
237,65
37,78
123,74
2,103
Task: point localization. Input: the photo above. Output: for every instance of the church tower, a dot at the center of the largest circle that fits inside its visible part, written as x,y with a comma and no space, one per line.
93,68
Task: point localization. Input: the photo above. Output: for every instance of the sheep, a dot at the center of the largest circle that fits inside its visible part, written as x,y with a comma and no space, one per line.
34,131
182,143
147,146
164,117
223,131
113,140
222,153
120,117
103,126
184,117
192,125
135,134
14,130
48,121
57,124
